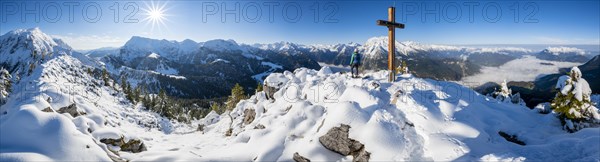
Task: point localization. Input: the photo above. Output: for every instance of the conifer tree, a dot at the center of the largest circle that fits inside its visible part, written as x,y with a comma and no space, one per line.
572,102
259,87
5,85
237,94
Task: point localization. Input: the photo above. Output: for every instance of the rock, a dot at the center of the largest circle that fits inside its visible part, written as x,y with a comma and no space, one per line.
299,158
133,145
511,138
200,127
229,132
48,109
71,109
362,156
336,140
249,115
259,126
269,91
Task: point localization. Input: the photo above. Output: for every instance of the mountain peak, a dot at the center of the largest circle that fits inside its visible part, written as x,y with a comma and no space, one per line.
221,45
563,50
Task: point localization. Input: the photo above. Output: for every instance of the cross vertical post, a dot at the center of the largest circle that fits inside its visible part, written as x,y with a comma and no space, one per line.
391,25
391,44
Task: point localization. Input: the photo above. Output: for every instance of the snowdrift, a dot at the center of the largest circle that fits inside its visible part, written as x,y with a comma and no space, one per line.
412,119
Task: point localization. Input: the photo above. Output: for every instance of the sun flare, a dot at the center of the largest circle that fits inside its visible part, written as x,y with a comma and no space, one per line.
155,15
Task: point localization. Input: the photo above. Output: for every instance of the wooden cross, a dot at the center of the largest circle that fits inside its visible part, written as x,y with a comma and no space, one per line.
392,25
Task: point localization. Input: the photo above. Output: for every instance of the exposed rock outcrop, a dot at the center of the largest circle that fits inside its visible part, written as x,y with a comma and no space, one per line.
133,145
48,109
259,126
336,140
299,158
249,115
71,109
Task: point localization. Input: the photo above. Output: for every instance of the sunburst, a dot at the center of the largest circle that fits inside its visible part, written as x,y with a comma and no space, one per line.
155,15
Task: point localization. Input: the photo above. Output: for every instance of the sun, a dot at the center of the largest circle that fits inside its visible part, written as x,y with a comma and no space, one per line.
155,15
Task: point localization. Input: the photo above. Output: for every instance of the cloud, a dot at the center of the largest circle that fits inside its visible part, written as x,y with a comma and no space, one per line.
86,42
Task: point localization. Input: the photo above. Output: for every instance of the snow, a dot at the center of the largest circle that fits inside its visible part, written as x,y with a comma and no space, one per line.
153,55
527,68
220,60
563,50
431,120
258,77
39,135
579,86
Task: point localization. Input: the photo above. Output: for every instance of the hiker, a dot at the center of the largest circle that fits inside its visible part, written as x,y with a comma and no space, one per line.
355,63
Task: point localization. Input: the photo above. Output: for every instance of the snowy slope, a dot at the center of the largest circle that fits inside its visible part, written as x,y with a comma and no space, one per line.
32,130
429,120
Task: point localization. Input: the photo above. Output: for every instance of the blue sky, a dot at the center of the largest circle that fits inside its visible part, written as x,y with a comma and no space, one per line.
94,24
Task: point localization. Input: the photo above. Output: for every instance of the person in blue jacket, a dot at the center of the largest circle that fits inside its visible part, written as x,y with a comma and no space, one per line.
355,63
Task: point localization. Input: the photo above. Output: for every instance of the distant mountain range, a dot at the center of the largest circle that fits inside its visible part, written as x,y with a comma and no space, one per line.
209,69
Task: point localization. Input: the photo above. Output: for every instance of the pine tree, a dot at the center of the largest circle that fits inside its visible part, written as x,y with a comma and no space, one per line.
216,107
572,102
259,87
5,85
136,94
237,94
105,77
504,94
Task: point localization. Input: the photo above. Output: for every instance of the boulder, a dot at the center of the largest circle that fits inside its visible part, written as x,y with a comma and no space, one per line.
269,91
249,115
71,109
133,145
336,140
229,132
48,109
299,158
259,126
200,128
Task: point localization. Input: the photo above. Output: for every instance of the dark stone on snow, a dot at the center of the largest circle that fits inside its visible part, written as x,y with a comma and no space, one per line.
229,132
269,91
511,138
133,145
249,115
71,109
259,126
336,140
48,109
200,127
299,158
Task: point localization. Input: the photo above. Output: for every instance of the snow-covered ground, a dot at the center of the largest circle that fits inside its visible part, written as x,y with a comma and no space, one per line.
412,119
259,77
527,68
429,120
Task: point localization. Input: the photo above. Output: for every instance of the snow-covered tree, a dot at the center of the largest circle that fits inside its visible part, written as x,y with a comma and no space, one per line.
5,85
504,94
572,102
403,69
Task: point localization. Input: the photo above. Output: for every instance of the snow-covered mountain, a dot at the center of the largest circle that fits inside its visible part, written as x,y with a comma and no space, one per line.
197,70
569,54
62,108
